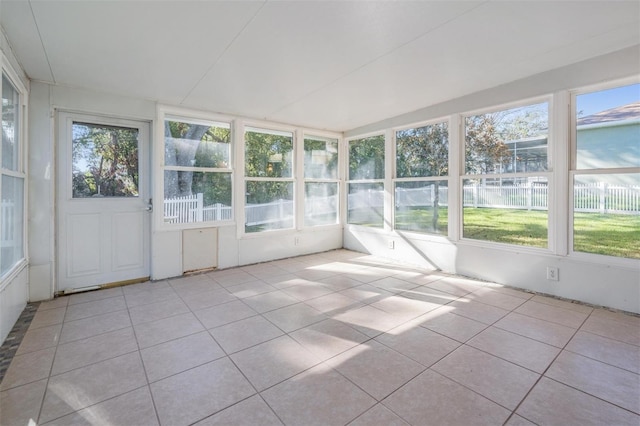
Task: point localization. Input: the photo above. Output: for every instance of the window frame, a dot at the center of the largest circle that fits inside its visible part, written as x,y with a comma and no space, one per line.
22,173
165,112
293,179
549,174
574,172
385,180
446,178
316,135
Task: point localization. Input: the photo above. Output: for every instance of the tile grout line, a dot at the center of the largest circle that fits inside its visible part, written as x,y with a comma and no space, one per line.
547,369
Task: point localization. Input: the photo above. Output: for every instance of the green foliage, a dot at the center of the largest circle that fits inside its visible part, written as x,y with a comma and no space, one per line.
483,148
423,151
264,192
324,166
105,161
201,146
486,134
366,158
268,155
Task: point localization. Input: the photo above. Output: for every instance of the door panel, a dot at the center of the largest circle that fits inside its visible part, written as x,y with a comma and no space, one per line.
83,244
127,241
103,226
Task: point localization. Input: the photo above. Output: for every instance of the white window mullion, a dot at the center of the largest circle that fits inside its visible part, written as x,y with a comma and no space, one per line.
299,182
240,188
389,166
456,161
559,183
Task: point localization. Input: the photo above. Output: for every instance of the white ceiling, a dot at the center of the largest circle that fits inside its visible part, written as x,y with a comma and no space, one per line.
333,65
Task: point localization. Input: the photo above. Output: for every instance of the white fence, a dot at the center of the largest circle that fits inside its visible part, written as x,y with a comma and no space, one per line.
191,208
595,198
260,214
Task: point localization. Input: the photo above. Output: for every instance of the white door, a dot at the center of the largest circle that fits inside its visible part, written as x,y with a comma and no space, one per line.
103,205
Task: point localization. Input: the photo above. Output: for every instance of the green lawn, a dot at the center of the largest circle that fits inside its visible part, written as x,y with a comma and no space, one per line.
420,219
510,226
610,234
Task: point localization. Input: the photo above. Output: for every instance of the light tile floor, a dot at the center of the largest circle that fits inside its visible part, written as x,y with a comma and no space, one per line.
329,339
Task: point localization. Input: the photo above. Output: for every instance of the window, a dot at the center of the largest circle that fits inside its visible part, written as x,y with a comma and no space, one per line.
105,161
421,185
505,186
606,172
269,183
365,201
197,171
12,179
320,181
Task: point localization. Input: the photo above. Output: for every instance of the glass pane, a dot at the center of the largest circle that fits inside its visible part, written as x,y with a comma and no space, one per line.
608,131
366,204
423,152
11,223
606,214
197,196
10,125
320,204
268,154
320,158
105,161
196,145
366,158
422,206
511,211
508,141
269,206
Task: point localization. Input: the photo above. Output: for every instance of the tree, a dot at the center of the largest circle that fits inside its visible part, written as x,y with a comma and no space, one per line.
484,148
424,152
105,161
366,158
199,146
268,155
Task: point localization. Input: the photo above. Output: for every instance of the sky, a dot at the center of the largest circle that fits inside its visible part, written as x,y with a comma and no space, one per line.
591,103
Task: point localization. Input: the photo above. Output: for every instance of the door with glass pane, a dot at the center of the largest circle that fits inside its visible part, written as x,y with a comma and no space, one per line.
103,206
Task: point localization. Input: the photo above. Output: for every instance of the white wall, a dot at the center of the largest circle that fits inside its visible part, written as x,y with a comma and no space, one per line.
166,245
597,280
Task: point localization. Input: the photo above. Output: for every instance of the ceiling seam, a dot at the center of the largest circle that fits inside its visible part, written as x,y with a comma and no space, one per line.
223,53
35,21
377,58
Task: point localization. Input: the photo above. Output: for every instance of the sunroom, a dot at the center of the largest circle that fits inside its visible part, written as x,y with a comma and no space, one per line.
190,190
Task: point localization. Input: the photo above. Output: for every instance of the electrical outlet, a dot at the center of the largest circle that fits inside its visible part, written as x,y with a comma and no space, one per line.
391,244
553,273
296,241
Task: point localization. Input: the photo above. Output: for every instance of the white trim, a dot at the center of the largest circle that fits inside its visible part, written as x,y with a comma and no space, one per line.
456,167
573,171
419,124
193,115
606,85
559,185
521,103
172,113
389,172
11,274
8,71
